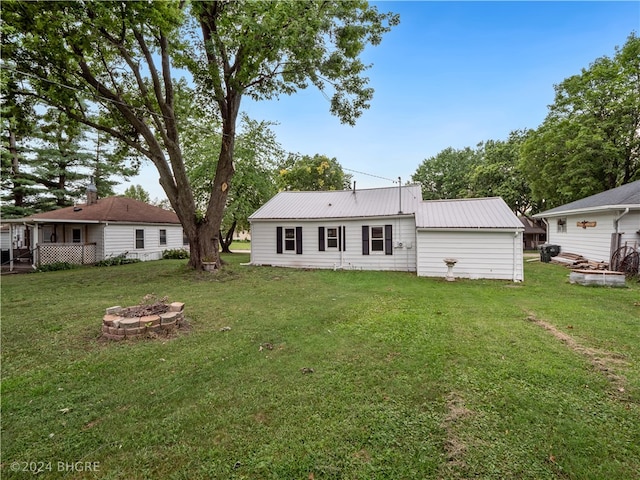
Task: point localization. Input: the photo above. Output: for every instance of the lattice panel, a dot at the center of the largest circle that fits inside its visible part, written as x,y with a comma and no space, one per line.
67,252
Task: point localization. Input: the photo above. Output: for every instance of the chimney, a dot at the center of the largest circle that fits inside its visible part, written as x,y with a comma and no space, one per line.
92,193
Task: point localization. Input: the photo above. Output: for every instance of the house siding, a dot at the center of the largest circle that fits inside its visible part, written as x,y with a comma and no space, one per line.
402,258
482,254
593,243
121,239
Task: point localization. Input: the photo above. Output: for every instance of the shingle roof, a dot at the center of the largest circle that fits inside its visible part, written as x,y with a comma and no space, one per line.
627,195
373,202
110,209
480,213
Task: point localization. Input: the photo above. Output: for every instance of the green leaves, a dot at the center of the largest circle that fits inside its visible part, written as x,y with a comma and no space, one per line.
590,140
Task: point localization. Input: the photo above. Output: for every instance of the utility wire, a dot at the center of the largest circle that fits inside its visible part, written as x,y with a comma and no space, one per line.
370,175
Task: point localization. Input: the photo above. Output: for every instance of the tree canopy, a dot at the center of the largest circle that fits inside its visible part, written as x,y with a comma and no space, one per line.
447,174
312,174
122,59
590,139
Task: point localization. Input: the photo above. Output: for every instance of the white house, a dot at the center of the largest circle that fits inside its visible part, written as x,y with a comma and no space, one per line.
596,226
98,230
388,229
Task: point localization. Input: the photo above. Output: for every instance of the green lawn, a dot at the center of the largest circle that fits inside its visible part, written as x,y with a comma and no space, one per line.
413,378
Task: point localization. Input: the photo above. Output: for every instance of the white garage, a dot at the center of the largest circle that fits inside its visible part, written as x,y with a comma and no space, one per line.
482,235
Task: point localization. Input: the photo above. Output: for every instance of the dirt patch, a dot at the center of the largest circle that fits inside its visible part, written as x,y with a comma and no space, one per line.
601,360
454,447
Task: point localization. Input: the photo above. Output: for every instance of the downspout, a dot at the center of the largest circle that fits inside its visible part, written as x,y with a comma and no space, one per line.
616,223
516,239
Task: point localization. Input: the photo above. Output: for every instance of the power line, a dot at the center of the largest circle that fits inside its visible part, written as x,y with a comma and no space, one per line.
370,175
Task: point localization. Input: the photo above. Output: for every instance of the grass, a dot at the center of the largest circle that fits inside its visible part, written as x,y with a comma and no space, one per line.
412,377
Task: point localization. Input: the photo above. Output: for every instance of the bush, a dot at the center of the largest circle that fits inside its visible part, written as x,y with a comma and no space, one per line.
175,254
117,260
52,267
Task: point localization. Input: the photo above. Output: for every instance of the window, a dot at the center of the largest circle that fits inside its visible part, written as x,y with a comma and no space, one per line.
76,235
289,240
185,239
331,238
163,236
139,238
377,239
562,225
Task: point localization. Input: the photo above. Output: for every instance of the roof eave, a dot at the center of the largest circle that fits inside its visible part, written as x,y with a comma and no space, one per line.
599,209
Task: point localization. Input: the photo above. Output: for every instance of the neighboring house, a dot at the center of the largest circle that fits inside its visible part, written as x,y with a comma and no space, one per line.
534,235
388,229
596,226
98,230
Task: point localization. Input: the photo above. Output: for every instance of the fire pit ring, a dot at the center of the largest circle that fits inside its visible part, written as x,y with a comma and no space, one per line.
120,323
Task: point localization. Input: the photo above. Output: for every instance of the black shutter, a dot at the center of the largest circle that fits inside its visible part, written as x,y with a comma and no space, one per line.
365,240
339,239
299,240
388,240
344,238
321,239
278,239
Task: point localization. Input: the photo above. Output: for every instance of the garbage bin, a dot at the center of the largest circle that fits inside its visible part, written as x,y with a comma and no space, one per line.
547,251
554,250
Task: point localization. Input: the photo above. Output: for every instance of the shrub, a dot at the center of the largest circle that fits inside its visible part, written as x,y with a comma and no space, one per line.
52,267
175,254
117,260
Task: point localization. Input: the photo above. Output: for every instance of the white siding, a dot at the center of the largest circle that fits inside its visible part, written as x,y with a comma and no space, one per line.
264,252
593,243
481,254
119,239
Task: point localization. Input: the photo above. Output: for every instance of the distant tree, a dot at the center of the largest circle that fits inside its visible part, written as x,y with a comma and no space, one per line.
498,173
137,193
447,175
49,164
17,117
590,139
315,173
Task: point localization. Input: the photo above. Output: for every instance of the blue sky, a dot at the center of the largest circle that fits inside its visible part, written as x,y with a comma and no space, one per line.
452,74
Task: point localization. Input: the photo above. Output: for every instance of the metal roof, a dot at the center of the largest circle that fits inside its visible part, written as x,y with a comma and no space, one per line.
377,202
475,213
625,196
373,202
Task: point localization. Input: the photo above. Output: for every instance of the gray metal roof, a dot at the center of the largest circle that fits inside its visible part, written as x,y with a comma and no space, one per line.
477,213
375,202
627,195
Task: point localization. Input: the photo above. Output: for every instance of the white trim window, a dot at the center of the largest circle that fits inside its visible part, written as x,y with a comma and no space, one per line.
377,240
562,225
163,236
139,238
289,240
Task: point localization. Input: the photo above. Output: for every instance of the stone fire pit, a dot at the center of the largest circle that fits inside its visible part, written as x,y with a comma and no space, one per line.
121,323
